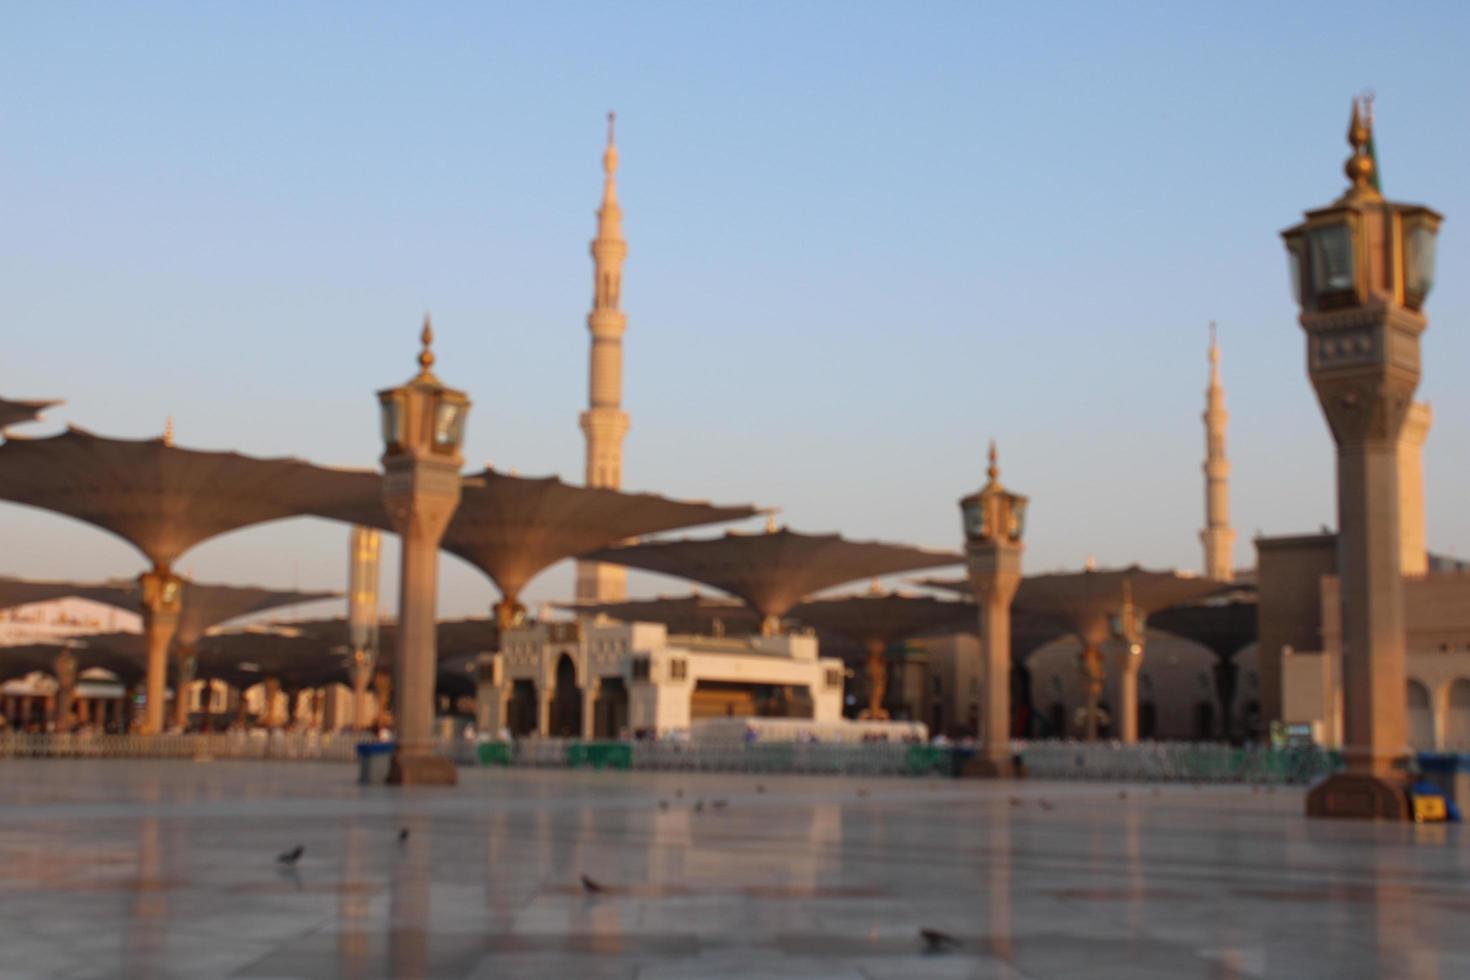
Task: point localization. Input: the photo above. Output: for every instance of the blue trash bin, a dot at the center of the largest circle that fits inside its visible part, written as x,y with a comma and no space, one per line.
1448,772
374,759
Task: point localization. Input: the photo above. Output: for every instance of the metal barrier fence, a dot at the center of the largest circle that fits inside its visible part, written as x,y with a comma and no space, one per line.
1103,761
310,746
824,758
1208,762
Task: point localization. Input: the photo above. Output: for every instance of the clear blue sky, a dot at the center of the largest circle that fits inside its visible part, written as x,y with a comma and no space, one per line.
864,238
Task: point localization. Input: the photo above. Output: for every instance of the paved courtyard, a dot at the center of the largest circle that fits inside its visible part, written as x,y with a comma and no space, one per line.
168,869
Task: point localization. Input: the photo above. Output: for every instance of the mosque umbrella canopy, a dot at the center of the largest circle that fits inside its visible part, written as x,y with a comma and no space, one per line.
774,570
158,497
688,614
1224,624
18,412
206,606
21,592
454,637
121,653
878,619
247,657
512,527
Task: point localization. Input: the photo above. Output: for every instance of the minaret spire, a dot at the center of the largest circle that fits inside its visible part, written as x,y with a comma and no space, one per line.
1218,537
604,424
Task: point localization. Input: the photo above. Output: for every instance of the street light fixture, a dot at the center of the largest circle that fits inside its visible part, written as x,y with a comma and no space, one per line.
423,431
1360,270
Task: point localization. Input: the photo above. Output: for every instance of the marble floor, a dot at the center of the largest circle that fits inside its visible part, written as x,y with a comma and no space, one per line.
168,869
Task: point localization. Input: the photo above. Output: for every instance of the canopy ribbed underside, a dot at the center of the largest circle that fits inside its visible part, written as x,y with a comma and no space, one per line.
696,614
885,618
775,570
161,499
513,527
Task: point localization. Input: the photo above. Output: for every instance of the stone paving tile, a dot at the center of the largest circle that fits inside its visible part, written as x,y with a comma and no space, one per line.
167,869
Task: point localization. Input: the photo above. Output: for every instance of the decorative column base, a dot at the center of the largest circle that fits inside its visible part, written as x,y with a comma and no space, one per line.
1360,795
422,770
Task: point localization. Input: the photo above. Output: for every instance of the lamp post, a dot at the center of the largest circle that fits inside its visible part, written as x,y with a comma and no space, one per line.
423,430
1361,268
994,521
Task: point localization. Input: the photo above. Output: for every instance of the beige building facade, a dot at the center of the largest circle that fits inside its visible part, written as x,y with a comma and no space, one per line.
606,680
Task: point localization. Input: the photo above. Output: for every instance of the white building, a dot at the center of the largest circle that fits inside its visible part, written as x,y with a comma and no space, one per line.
603,680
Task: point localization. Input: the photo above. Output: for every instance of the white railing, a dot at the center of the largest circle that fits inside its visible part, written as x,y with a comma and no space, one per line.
311,746
1207,762
831,758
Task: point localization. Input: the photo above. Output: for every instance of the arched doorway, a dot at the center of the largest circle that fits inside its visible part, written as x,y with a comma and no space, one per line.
610,710
1204,720
1457,722
1421,717
1148,720
566,703
521,712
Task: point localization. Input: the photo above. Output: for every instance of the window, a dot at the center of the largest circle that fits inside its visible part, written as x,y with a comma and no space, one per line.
641,669
678,669
834,677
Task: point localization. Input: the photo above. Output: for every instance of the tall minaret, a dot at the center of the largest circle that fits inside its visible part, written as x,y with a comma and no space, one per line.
605,423
1218,537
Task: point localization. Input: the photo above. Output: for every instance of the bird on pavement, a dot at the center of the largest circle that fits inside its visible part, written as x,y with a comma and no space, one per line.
591,887
699,806
291,856
663,804
936,941
403,836
719,804
1047,805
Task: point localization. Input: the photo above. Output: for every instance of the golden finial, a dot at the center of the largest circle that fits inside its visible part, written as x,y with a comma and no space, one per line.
168,431
875,587
993,470
771,522
1359,166
426,356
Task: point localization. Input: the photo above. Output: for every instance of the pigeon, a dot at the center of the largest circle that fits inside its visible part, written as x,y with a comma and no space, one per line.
699,806
403,836
1048,807
936,941
862,792
591,887
1122,794
1015,801
719,804
291,856
679,793
760,787
663,804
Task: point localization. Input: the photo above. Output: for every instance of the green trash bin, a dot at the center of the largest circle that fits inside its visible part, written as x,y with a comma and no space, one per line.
493,753
600,755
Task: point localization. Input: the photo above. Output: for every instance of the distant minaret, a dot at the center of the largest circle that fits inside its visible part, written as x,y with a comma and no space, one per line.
1217,536
605,423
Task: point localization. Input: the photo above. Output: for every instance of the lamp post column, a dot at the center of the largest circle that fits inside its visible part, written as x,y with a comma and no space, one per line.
162,602
995,574
1362,268
994,520
423,427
